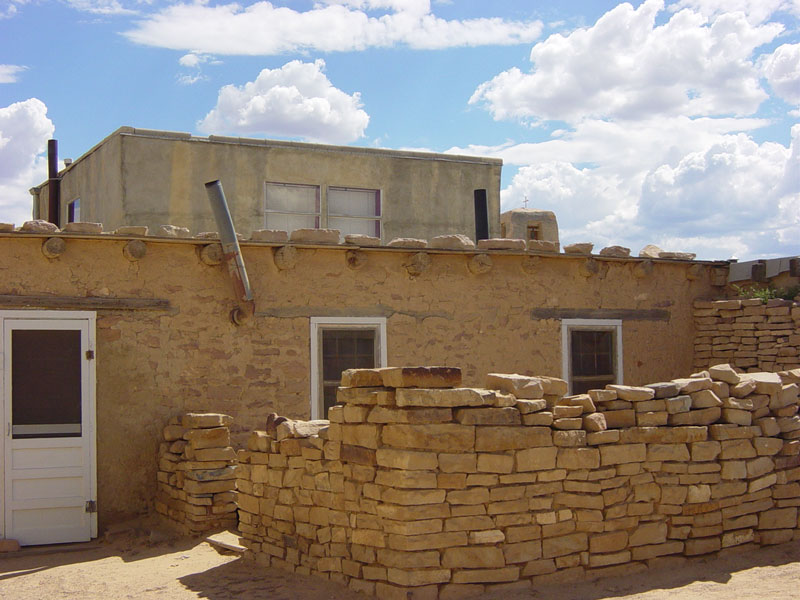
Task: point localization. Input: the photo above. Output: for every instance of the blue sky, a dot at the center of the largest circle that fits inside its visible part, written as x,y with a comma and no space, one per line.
673,123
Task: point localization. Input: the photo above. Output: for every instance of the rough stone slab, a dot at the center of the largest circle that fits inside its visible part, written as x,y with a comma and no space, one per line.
217,437
315,236
705,416
724,373
693,384
492,439
277,236
521,386
174,231
418,416
205,420
488,416
632,393
82,227
527,407
138,230
444,437
39,226
365,395
456,241
501,244
362,378
650,251
444,397
584,248
766,383
677,255
543,246
359,239
616,251
664,389
622,453
422,377
408,243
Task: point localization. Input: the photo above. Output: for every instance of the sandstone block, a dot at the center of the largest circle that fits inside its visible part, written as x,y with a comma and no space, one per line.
759,466
408,560
778,518
767,446
564,545
538,419
473,557
648,534
584,248
705,416
452,397
488,416
737,449
495,463
705,451
665,389
421,377
632,393
521,386
704,399
569,439
724,373
622,453
387,414
492,439
694,547
432,437
430,541
215,437
595,422
620,419
536,459
693,384
173,432
418,577
668,452
406,459
577,458
652,551
736,416
610,436
526,407
766,383
362,378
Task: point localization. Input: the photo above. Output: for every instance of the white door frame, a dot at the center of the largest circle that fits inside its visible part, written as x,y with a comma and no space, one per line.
88,384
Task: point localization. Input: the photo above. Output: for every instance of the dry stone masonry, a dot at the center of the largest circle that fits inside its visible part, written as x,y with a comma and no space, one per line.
196,473
749,334
420,488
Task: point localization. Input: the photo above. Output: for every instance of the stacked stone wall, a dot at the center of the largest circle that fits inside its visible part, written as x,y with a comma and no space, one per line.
196,473
749,334
419,488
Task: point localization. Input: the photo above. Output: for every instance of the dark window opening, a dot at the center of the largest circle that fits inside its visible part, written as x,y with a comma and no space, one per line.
74,211
344,349
591,359
534,232
481,215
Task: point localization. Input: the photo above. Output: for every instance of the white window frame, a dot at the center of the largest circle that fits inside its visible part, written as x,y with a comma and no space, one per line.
318,324
567,325
372,218
318,214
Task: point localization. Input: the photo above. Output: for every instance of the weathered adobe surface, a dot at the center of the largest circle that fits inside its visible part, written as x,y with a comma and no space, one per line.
419,488
183,354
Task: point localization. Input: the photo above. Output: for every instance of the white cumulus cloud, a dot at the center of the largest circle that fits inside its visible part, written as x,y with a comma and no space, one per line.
24,131
262,28
297,100
627,67
8,73
782,70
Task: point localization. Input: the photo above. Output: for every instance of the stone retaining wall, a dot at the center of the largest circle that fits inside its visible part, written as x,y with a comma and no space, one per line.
196,473
421,489
749,334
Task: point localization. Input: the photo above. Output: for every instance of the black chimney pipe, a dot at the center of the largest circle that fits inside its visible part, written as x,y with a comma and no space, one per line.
53,184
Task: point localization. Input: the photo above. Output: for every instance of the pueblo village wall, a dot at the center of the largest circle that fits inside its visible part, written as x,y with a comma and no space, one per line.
421,488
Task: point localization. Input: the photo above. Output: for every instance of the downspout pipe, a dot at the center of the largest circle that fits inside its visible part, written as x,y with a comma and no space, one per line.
231,253
53,184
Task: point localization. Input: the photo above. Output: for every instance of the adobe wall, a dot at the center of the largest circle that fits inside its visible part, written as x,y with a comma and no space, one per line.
750,334
418,489
144,177
165,344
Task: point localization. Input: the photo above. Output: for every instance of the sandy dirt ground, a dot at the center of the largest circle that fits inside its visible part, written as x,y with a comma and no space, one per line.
133,566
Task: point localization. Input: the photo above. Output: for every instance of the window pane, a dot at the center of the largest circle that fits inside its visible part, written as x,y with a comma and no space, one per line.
592,353
290,222
363,226
45,383
355,203
344,349
292,198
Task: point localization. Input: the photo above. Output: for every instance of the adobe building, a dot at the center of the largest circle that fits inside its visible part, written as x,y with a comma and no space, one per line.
152,178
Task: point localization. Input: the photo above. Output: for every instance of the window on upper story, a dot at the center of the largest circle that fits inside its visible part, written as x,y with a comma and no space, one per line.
534,232
290,206
352,210
74,211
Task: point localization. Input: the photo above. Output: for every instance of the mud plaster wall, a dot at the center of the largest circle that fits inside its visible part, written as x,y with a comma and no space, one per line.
154,364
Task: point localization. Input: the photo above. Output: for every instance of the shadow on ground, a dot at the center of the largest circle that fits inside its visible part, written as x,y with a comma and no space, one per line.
242,579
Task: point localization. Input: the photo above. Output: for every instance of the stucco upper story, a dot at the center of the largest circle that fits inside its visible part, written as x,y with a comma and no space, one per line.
153,178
